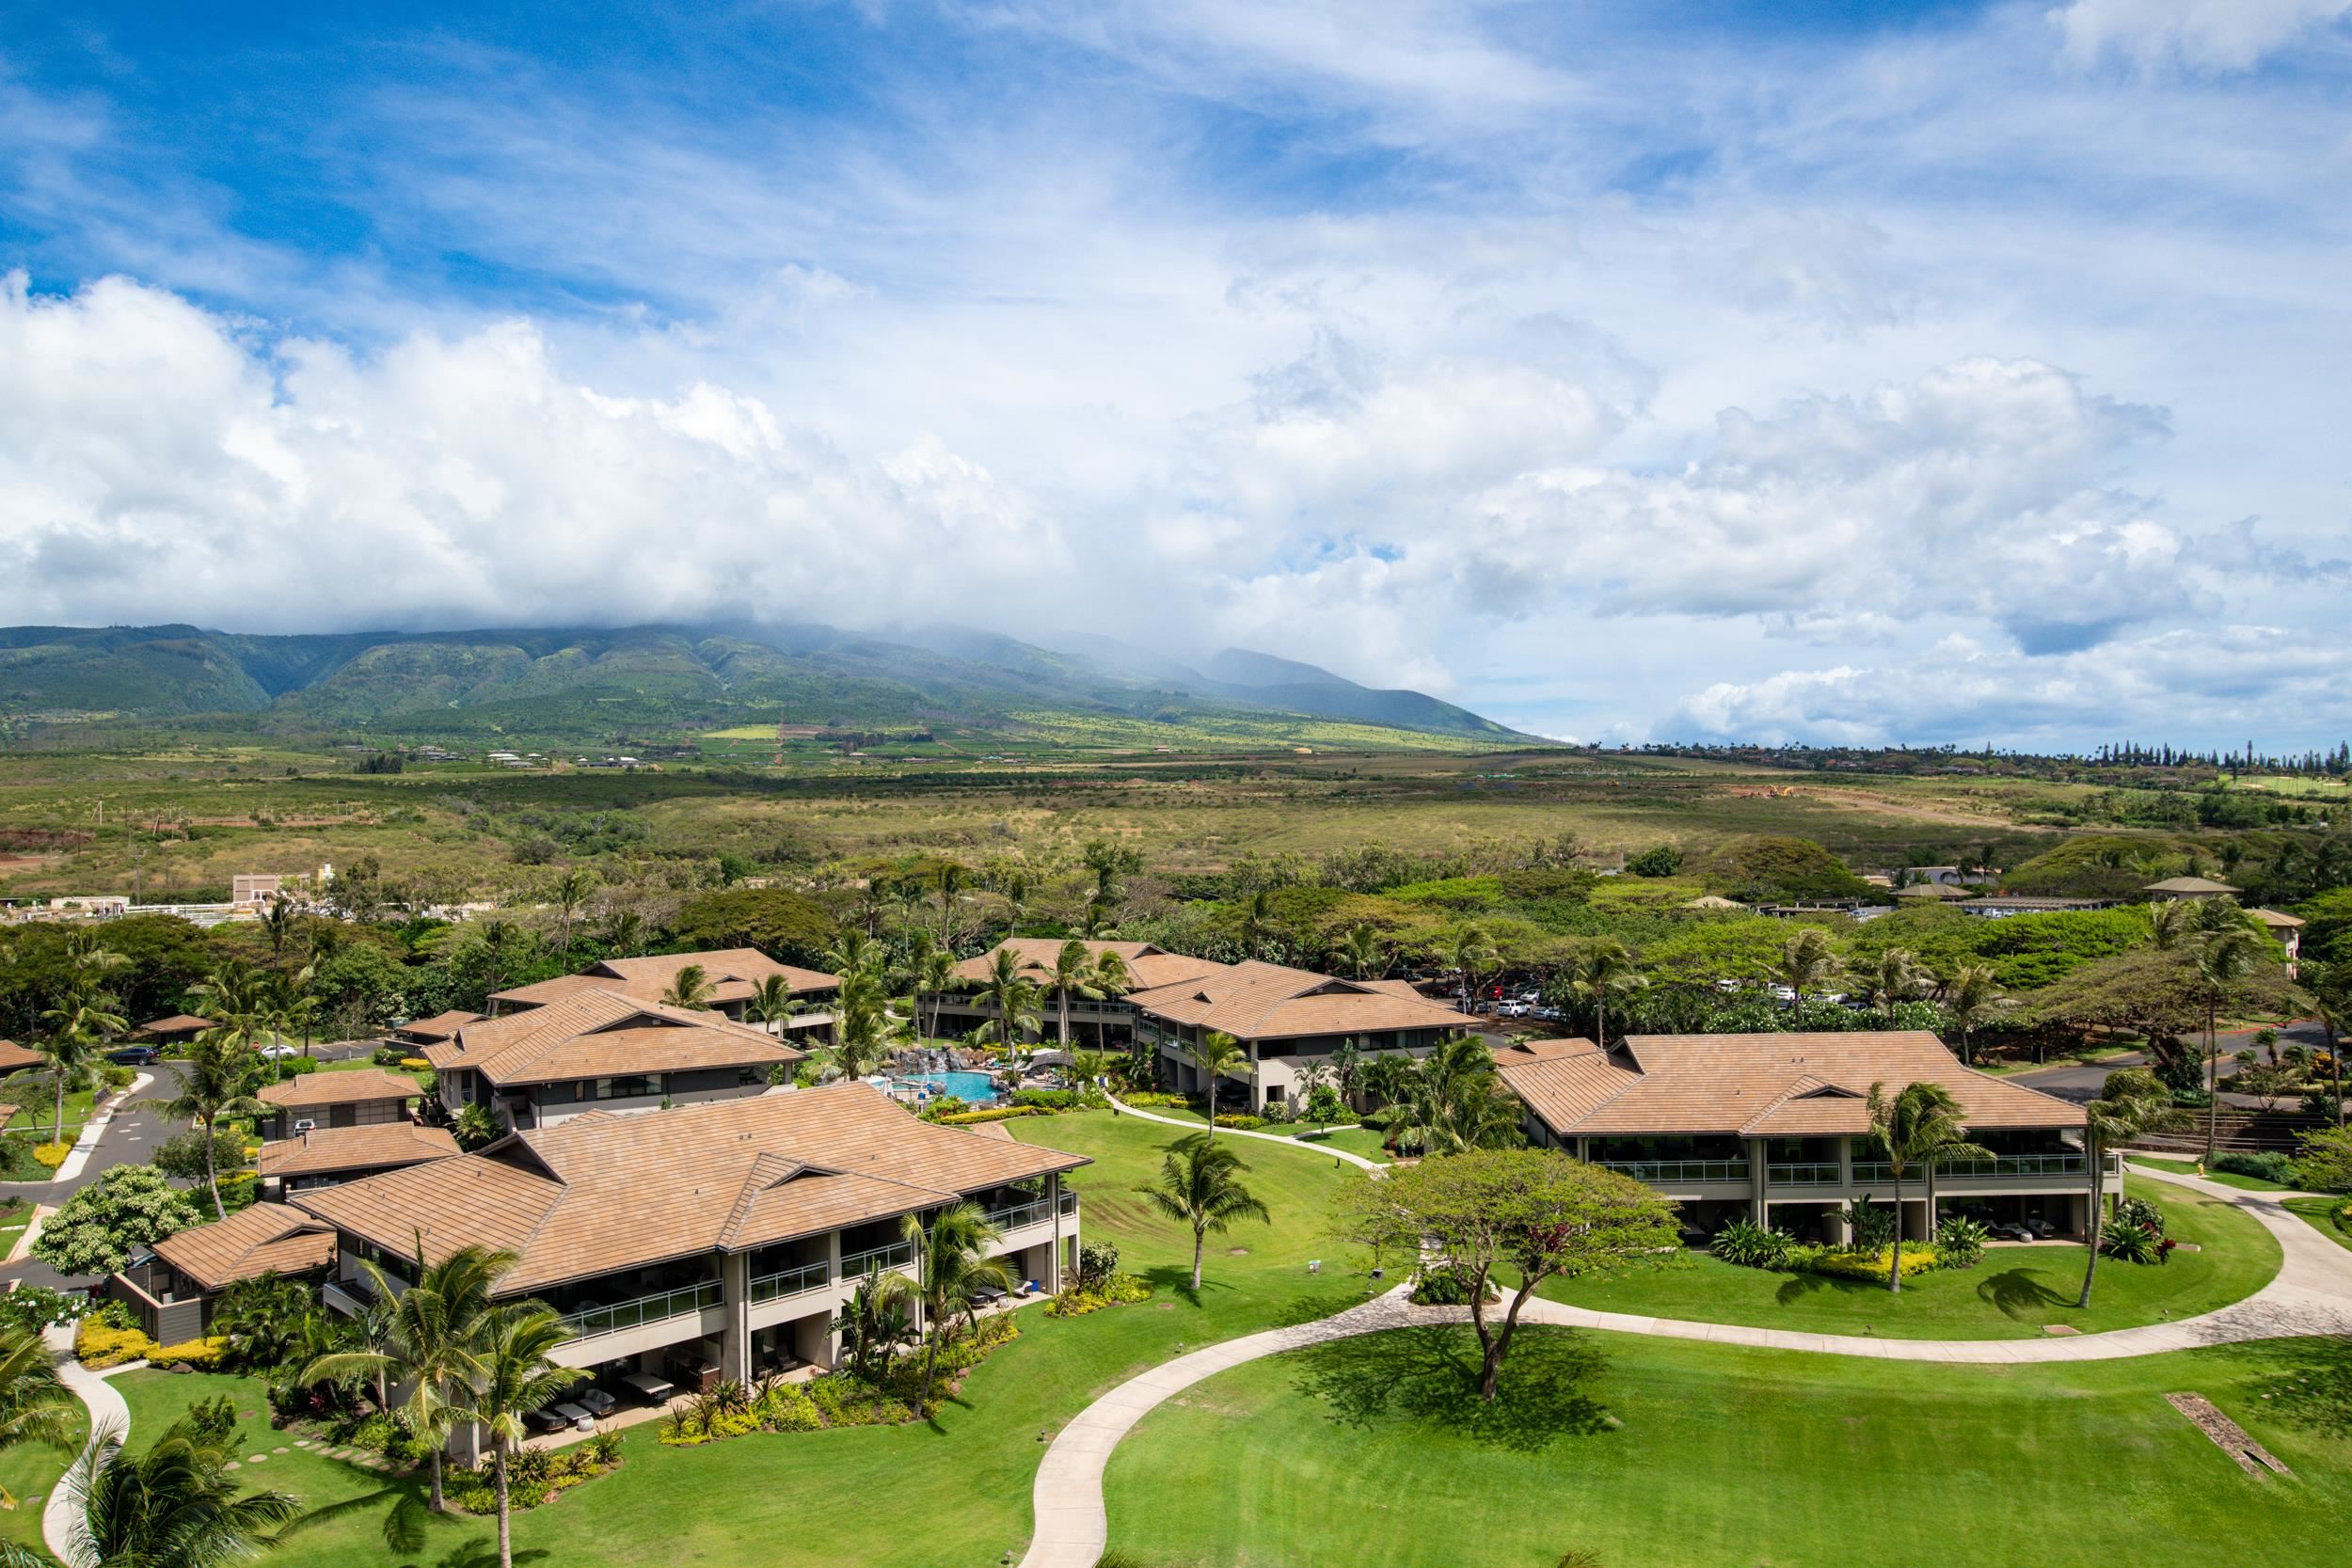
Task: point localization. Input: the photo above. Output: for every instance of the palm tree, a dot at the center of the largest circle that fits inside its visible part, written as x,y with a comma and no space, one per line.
2224,958
278,924
1011,994
861,1029
2133,1101
1604,967
1972,994
569,894
1210,1055
518,1375
1454,1100
951,879
1807,960
1201,1186
2329,981
1094,920
852,953
689,988
260,1317
217,1080
290,1005
1363,952
437,1343
77,1030
34,1406
495,939
956,1270
176,1504
1112,977
1921,1127
2168,922
1073,973
1256,922
623,932
1895,977
771,1000
1473,952
932,977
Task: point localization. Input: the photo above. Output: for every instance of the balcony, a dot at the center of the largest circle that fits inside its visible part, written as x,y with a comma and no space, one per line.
1811,1174
683,1302
792,1282
897,1255
1657,1172
2018,1165
1036,1211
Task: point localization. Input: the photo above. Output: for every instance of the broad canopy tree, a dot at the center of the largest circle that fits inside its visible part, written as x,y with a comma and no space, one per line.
1531,1213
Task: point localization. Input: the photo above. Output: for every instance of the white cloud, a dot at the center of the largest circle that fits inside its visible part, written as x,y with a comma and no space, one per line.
2202,35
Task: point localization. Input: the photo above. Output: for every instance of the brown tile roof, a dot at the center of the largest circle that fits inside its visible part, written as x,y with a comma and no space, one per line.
264,1238
2277,918
440,1026
1256,1001
1150,966
13,1056
598,1034
377,1147
733,974
177,1023
1783,1084
2188,884
540,993
357,1086
604,1193
1520,1052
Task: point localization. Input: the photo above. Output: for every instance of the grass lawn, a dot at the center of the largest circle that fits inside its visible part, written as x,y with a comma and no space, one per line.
953,1496
15,1214
2012,1294
39,1118
2226,1178
1650,1453
2314,1212
1356,1140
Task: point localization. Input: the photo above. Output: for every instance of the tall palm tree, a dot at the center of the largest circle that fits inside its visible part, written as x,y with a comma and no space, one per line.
689,988
35,1405
290,1004
1362,951
2330,982
1921,1128
951,879
1894,977
1201,1186
1455,1102
932,977
2167,923
956,1270
217,1081
498,941
518,1376
1602,969
437,1343
1969,997
1072,974
1806,961
861,1024
1112,977
1473,952
569,896
1211,1055
176,1504
77,1029
771,1000
2133,1101
623,932
1011,994
1095,920
277,922
2223,959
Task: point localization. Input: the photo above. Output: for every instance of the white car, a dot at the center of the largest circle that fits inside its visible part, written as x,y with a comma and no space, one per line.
279,1053
1512,1009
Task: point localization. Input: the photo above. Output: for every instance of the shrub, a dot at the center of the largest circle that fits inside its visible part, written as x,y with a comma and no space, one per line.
416,1064
787,1408
1118,1290
34,1307
1097,1262
198,1355
2267,1166
2129,1242
1239,1121
1871,1224
1445,1287
1917,1259
2323,1163
389,1055
1280,1113
1959,1242
215,1419
294,1066
1156,1100
52,1155
1752,1247
116,1077
1663,860
2141,1212
97,1346
994,1113
1051,1100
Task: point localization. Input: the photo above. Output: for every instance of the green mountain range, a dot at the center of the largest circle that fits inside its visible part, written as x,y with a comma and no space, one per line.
591,684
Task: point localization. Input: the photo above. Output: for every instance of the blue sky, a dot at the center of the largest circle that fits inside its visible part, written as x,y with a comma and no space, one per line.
1835,372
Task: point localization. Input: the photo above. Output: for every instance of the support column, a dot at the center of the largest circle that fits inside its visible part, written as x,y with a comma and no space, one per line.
1053,1266
833,1273
734,1292
1759,1210
1837,1222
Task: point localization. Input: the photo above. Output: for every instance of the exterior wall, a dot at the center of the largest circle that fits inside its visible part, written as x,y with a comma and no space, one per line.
360,1113
1276,1064
679,1088
171,1309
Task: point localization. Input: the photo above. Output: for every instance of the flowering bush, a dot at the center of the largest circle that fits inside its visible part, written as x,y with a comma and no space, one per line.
98,1346
52,1155
198,1355
1117,1290
1917,1259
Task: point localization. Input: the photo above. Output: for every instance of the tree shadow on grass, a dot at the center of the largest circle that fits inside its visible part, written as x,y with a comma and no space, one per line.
1429,1375
2020,1295
2304,1383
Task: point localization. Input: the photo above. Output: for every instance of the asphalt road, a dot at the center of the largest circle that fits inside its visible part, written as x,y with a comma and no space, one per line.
130,1138
2081,1082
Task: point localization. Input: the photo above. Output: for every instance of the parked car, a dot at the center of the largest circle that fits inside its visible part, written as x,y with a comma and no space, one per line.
279,1053
1512,1009
135,1055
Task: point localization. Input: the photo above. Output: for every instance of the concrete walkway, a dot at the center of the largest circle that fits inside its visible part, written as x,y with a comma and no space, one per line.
2311,1294
108,1414
1314,1146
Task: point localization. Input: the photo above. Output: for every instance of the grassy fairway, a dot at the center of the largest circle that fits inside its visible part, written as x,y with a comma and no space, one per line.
908,1496
2013,1294
1650,1453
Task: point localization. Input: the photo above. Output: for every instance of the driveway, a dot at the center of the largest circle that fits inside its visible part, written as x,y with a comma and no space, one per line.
129,1137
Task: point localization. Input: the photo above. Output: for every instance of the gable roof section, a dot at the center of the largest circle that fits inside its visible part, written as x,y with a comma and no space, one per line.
1256,1001
379,1147
360,1085
733,973
2188,884
13,1056
598,1034
440,1026
1781,1086
1150,966
255,1240
619,1192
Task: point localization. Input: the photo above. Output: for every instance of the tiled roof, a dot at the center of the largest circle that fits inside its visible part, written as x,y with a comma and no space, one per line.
440,1026
732,974
177,1023
1520,1052
598,1034
357,1086
599,1193
1148,966
2277,918
1258,1000
376,1146
264,1238
1783,1084
13,1056
2188,884
1934,890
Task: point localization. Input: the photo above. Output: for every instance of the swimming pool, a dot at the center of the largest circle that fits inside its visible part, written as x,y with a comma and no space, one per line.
973,1088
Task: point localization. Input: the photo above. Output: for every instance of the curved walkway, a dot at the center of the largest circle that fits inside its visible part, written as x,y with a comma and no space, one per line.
2311,1295
107,1413
1352,1159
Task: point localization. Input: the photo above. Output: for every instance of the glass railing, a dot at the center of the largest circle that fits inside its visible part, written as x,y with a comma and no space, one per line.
1069,1202
1879,1170
2018,1165
1803,1175
1655,1171
897,1255
792,1282
1021,1214
590,1321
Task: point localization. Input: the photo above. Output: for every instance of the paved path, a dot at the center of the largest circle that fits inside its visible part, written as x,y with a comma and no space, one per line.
1312,1144
108,1414
2311,1294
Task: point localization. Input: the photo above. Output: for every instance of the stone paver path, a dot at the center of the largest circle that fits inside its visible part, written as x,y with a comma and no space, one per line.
1312,1146
108,1414
2311,1294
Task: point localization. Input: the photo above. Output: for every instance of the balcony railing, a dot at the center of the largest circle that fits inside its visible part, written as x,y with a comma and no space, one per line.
686,1299
897,1255
1032,1212
2018,1165
1655,1171
792,1282
1809,1175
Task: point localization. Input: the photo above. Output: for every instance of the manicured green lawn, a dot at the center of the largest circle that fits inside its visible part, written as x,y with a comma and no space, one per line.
2225,1178
1652,1453
956,1496
2315,1212
2013,1293
39,1115
1356,1140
